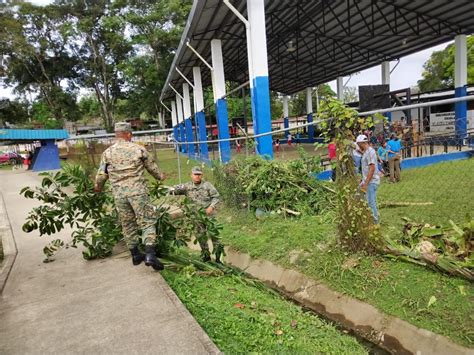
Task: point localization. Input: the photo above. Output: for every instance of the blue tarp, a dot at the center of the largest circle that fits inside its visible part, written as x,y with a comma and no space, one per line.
32,134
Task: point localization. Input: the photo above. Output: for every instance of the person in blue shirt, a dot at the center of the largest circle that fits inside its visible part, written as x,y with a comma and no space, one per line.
383,158
394,148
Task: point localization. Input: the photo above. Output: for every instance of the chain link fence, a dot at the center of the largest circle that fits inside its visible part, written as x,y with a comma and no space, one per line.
431,180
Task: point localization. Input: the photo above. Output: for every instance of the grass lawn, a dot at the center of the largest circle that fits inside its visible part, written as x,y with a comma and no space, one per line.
241,318
5,167
449,186
395,287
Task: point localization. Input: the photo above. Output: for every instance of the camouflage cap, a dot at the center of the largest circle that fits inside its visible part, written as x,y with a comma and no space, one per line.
123,127
196,170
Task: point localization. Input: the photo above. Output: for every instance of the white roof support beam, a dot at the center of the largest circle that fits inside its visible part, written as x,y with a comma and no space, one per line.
309,101
176,92
174,117
186,101
198,94
340,87
184,77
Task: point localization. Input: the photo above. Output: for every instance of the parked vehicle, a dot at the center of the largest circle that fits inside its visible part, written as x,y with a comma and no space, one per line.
10,158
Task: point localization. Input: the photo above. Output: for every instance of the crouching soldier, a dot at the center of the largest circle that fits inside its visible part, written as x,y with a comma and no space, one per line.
124,164
204,195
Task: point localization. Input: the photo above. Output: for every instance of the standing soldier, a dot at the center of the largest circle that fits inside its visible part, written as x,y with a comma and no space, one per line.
124,164
204,195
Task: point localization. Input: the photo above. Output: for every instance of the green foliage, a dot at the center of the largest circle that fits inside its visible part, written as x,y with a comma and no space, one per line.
94,219
13,111
42,115
91,215
89,107
350,94
297,104
438,70
448,249
34,41
282,187
355,223
196,223
193,223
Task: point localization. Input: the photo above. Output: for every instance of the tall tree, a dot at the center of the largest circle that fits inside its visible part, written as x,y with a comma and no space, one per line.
350,94
100,46
143,87
13,112
155,29
438,70
34,47
297,105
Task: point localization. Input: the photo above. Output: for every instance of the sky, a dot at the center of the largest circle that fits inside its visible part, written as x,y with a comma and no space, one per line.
405,75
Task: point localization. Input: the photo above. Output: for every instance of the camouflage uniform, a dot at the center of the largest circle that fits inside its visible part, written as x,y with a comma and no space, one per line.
203,195
124,163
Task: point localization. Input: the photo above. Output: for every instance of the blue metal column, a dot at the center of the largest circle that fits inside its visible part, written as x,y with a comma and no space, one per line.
309,112
187,121
200,116
182,131
47,157
460,82
286,120
218,83
258,71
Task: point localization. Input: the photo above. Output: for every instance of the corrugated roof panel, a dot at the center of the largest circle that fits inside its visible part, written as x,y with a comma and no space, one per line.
33,134
330,38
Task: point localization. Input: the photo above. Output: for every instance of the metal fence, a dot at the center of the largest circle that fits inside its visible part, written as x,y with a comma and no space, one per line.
435,183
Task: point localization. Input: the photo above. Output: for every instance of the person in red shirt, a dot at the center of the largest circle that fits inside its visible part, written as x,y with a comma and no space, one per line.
332,150
289,139
238,146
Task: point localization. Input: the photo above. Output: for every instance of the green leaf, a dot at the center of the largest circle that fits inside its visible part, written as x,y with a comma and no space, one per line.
431,301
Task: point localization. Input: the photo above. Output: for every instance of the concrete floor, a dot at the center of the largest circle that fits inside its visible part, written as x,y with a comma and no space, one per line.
75,306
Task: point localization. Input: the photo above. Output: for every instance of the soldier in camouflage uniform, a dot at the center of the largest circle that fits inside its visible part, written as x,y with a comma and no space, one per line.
204,195
124,164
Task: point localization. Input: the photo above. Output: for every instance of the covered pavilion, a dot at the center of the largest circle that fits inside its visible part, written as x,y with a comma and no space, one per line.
46,155
290,46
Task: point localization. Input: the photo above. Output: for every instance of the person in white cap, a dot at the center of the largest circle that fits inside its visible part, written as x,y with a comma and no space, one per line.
370,176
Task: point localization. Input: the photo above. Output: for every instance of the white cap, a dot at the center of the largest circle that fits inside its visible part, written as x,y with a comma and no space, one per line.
361,138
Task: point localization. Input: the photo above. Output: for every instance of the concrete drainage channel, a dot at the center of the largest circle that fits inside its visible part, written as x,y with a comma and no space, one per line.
385,332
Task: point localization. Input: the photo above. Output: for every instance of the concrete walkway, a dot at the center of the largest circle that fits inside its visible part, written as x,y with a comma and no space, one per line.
77,306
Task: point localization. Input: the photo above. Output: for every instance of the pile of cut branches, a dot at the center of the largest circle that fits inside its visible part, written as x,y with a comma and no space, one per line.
274,186
447,249
94,219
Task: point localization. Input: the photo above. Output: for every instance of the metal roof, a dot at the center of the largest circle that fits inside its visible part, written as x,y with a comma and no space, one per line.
331,38
32,134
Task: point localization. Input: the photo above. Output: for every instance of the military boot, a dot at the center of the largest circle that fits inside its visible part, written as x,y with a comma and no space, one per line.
205,255
137,256
150,258
218,258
